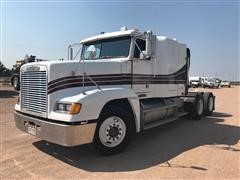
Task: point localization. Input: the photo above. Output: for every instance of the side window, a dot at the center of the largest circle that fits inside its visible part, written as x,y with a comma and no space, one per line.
142,45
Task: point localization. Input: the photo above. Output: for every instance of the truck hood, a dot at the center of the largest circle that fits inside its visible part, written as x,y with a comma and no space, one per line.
70,73
60,69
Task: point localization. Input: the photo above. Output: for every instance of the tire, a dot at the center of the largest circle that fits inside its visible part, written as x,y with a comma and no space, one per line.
209,104
196,111
113,132
16,83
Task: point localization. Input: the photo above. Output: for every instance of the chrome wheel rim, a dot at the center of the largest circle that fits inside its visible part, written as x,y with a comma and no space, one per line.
112,131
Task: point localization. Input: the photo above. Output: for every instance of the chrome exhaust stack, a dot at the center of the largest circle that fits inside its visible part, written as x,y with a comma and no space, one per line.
70,52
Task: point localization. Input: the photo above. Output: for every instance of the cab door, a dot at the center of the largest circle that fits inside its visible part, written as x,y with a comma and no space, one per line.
141,70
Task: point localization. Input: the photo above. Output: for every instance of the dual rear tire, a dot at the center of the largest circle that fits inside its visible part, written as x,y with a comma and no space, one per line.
198,108
208,104
203,105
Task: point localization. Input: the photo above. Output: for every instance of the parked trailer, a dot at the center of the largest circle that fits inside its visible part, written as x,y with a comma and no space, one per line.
125,82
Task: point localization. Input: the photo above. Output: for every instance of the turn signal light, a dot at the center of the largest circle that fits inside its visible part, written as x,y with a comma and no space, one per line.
75,108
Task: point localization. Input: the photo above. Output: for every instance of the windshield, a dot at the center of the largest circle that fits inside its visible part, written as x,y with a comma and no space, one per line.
106,48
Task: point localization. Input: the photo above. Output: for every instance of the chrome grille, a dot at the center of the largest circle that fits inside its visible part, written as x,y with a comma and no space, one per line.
34,92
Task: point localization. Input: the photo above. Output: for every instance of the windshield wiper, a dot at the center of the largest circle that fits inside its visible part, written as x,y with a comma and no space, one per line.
103,57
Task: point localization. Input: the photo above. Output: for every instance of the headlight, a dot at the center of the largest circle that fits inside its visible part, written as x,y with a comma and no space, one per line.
61,107
70,108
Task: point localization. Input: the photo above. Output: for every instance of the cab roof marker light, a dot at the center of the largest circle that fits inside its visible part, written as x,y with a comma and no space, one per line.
124,28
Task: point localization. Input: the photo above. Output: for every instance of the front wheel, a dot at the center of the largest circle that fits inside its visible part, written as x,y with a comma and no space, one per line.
114,131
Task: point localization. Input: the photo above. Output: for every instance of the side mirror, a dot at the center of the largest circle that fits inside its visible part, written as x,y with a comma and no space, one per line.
148,35
144,56
91,50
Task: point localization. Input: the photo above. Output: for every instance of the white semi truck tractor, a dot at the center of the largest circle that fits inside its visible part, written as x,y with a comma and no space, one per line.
124,82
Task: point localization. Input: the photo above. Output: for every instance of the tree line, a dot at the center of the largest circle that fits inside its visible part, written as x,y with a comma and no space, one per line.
4,71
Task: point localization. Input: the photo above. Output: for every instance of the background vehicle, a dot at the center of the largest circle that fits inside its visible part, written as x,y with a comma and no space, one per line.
195,81
225,83
15,75
125,82
212,83
204,81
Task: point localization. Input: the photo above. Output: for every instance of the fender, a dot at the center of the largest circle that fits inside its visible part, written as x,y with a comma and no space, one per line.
93,102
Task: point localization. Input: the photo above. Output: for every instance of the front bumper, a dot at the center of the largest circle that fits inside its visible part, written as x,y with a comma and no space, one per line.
62,134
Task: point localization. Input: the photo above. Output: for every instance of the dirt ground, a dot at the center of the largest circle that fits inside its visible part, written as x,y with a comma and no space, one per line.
208,148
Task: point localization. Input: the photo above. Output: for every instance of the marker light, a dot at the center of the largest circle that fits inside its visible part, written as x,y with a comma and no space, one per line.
75,108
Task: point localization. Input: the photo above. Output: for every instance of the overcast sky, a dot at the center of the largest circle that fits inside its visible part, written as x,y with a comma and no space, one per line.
45,29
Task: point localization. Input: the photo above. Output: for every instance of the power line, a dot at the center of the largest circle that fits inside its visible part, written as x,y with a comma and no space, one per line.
34,47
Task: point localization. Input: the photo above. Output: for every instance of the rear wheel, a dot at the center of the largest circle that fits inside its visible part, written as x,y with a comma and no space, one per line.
209,104
197,108
114,131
